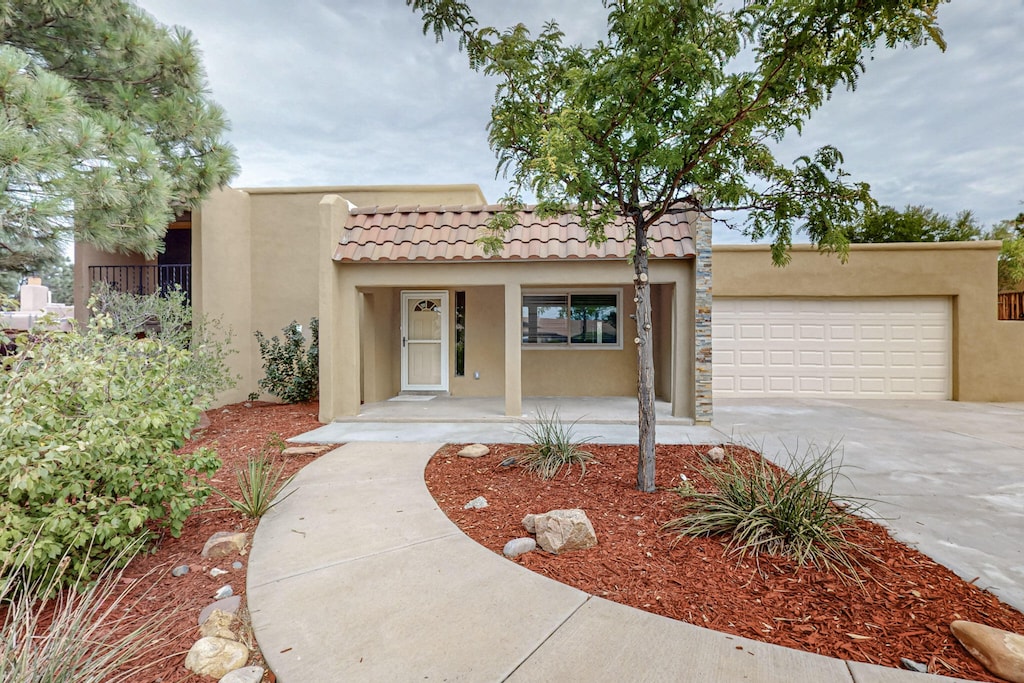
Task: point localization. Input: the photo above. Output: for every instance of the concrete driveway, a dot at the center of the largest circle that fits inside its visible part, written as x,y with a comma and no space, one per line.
946,477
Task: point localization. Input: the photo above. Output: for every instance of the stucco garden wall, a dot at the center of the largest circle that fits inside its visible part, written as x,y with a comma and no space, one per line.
986,351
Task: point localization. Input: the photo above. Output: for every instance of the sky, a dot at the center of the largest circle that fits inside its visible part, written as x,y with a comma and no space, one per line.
350,92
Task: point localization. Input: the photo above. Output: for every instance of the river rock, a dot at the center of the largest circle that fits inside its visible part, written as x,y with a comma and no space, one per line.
218,625
229,605
519,546
559,531
476,504
179,571
716,454
215,657
223,592
247,674
224,543
475,450
1001,652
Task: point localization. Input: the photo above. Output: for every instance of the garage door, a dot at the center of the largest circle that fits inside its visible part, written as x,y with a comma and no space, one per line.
894,347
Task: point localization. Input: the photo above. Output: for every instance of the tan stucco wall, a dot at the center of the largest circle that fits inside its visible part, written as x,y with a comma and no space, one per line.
264,246
587,372
485,342
985,350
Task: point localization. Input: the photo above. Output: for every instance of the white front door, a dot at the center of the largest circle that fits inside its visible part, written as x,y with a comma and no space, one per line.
424,341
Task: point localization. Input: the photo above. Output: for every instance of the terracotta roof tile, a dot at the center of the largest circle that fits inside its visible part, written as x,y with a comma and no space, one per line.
449,233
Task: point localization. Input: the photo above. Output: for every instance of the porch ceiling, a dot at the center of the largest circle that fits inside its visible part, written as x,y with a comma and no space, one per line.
449,233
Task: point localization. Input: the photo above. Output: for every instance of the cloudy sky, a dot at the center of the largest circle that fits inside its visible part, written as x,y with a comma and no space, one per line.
350,92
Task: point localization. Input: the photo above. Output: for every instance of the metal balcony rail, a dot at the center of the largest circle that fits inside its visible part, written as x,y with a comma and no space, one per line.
144,279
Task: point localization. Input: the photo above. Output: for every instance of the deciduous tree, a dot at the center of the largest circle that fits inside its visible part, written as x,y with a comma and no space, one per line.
675,111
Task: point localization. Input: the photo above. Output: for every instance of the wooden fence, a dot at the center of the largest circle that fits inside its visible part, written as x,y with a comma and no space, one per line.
1011,306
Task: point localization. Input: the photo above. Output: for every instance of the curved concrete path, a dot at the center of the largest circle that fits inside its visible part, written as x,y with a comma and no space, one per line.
360,576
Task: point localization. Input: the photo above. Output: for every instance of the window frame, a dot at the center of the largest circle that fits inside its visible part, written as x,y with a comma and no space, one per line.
568,345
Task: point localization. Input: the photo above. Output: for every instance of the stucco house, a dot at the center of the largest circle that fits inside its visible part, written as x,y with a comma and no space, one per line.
408,302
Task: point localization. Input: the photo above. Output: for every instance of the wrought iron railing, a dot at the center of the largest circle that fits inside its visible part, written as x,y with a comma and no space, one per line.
144,279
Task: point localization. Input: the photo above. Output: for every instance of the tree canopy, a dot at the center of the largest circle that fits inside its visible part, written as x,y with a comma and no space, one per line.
913,224
676,111
106,129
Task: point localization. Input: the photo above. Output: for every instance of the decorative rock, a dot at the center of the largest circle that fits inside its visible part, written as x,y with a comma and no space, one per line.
559,531
223,592
247,674
530,524
229,605
218,625
215,657
224,543
236,565
217,571
180,570
476,450
1001,652
716,454
519,546
303,450
509,461
204,421
911,665
476,503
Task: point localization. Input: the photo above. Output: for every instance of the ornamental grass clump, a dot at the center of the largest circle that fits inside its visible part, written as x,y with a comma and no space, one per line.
66,628
767,511
552,446
259,483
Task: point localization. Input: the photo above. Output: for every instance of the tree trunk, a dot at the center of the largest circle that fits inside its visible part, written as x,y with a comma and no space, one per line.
645,363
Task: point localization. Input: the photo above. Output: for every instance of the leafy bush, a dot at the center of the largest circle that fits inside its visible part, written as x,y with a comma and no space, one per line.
765,510
89,423
292,371
259,483
88,634
553,445
169,317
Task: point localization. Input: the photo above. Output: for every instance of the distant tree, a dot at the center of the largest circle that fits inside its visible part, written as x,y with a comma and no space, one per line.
1011,256
106,129
674,112
913,224
58,275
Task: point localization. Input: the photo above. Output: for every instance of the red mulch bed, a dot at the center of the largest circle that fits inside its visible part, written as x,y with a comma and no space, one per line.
236,432
903,608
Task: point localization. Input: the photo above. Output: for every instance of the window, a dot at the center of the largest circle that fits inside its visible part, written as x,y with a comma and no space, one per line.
460,334
583,319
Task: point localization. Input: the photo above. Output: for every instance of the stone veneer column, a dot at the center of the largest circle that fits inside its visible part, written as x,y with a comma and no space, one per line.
702,310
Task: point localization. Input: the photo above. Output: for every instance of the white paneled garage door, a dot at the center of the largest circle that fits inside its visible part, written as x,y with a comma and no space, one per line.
841,348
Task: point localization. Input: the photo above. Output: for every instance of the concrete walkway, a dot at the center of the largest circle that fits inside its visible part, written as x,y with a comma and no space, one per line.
359,575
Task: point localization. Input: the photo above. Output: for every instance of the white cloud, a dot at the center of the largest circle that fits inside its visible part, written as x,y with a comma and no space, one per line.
342,92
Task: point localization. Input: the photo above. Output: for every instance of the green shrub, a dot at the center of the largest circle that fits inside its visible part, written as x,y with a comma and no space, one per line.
169,317
259,483
86,633
89,423
552,446
765,510
292,371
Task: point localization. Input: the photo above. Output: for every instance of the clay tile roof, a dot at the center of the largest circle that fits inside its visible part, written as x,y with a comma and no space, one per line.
449,233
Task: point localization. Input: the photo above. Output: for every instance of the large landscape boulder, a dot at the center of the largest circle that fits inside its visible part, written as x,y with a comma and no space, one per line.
560,531
1001,652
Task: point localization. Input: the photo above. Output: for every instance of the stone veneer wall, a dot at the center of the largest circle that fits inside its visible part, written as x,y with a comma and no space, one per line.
702,310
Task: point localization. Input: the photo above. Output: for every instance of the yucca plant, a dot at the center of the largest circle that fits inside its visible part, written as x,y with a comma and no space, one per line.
259,483
552,446
768,511
87,633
